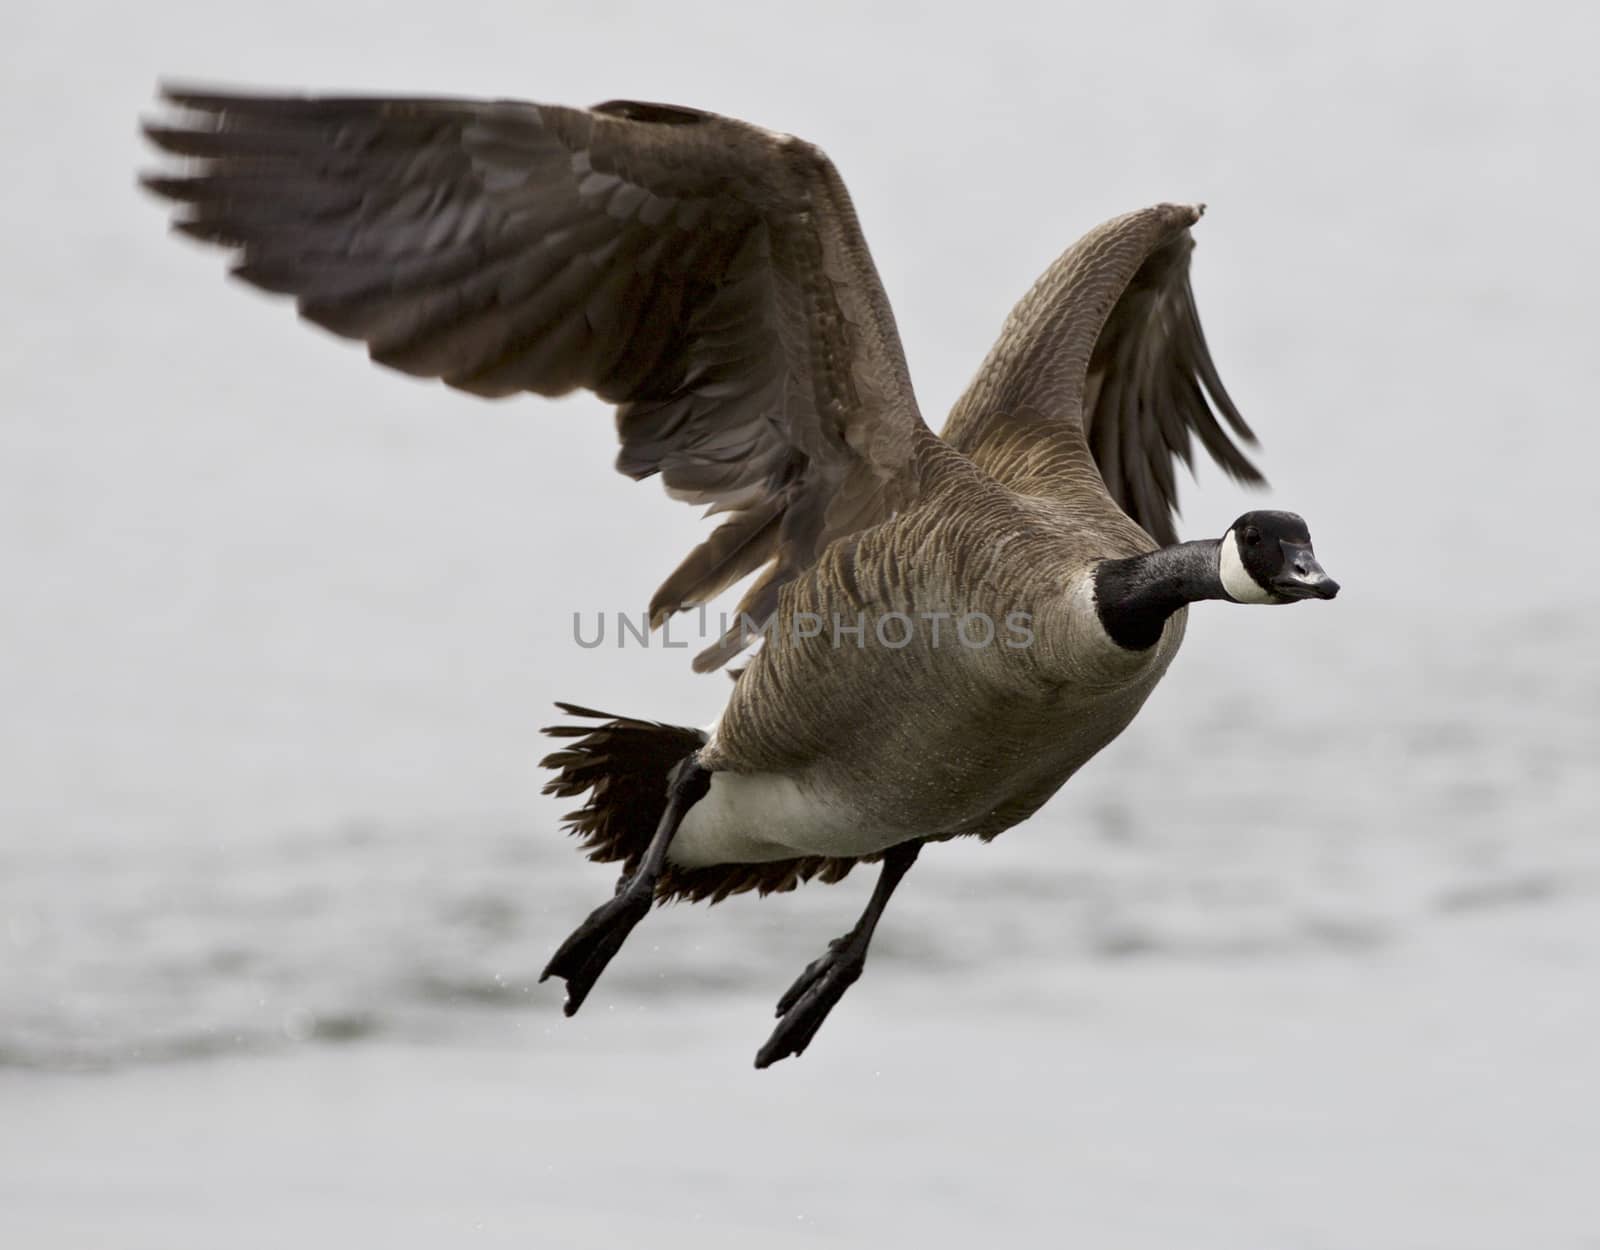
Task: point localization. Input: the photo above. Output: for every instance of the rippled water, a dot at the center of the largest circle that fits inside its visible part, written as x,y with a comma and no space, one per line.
1346,835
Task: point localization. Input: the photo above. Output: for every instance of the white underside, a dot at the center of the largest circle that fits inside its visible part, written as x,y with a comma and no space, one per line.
748,818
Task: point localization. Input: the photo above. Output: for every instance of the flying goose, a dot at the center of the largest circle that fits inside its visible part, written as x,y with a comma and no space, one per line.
951,625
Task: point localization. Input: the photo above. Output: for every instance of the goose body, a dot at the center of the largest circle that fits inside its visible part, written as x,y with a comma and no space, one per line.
930,740
952,624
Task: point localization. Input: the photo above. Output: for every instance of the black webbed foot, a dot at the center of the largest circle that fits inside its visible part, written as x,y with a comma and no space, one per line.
806,1003
583,957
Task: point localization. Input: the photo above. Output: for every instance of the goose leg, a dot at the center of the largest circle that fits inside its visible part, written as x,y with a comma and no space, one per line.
583,957
809,1000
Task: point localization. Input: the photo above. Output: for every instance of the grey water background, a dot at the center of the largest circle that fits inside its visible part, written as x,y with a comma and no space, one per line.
282,628
279,630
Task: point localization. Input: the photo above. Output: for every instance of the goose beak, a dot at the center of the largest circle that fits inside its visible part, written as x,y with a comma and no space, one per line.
1302,576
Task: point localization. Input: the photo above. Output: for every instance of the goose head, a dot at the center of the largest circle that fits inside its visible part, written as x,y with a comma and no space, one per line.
1266,557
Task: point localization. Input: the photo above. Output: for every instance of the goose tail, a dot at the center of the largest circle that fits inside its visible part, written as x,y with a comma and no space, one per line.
622,763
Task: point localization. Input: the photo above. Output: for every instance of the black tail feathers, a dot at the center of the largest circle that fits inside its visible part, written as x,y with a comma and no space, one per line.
623,763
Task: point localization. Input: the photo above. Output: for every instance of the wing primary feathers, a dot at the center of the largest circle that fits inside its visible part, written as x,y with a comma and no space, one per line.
628,249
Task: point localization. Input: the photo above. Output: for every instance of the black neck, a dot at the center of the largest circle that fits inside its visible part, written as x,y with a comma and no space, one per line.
1135,596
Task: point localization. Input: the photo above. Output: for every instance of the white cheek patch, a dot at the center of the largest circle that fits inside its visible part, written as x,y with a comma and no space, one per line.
1236,580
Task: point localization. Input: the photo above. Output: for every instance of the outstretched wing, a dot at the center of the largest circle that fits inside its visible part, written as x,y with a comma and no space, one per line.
706,276
1103,369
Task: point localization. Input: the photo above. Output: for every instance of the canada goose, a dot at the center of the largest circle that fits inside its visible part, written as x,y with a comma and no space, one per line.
710,279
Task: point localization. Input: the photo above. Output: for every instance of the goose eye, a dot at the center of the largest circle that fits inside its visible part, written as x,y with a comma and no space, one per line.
1252,536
